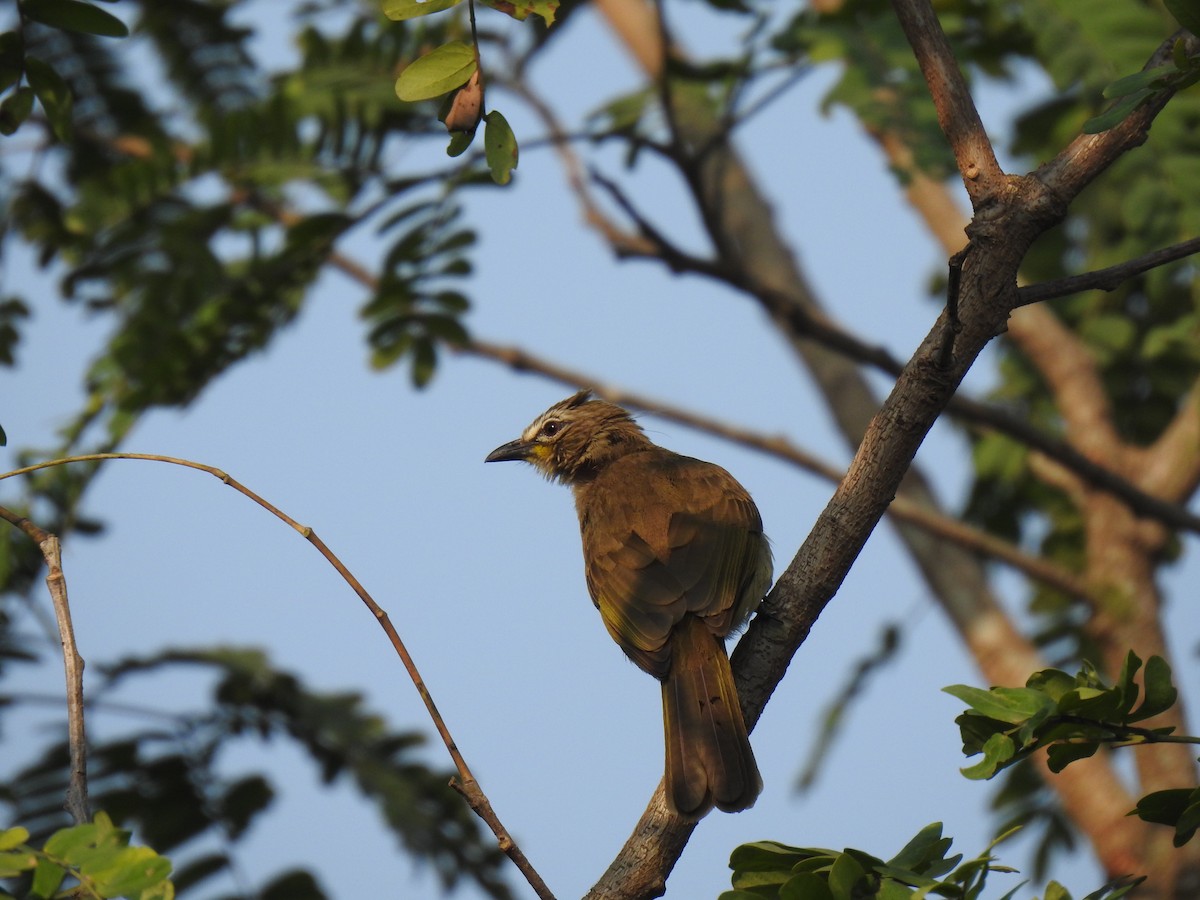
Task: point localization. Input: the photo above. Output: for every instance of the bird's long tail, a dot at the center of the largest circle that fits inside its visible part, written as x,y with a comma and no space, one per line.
709,760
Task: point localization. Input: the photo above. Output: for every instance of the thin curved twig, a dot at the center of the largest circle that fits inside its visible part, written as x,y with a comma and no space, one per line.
468,787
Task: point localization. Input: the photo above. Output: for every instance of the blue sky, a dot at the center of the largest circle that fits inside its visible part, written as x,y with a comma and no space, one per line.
479,566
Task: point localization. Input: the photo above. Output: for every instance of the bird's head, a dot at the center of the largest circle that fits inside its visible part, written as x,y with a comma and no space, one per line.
574,438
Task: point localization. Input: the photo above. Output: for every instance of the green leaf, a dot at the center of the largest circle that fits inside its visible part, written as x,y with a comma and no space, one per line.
923,847
15,109
499,147
1012,705
1117,114
54,95
12,55
73,15
1189,821
805,886
1059,756
997,751
762,856
1160,693
459,142
1051,682
399,10
521,9
440,70
424,362
12,837
1116,888
1178,807
47,878
844,876
14,862
1186,13
128,871
1131,84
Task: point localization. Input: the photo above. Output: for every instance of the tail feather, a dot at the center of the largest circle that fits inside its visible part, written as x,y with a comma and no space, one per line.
708,760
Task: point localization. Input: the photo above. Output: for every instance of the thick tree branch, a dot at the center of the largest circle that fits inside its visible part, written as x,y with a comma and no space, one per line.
1171,465
1073,377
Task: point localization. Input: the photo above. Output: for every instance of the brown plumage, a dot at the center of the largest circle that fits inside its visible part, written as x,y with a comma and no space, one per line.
675,561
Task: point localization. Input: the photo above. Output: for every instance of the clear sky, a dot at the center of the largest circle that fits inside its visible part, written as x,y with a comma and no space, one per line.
479,566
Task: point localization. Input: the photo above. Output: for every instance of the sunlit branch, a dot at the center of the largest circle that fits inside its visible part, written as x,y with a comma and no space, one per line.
952,99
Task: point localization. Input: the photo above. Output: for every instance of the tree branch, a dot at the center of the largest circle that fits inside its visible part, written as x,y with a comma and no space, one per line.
805,323
1109,278
952,99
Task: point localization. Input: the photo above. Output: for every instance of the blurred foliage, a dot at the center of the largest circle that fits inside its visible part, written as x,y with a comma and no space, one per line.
166,781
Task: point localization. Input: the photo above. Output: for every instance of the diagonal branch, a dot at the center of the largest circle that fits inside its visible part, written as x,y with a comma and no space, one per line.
810,323
1016,217
1090,154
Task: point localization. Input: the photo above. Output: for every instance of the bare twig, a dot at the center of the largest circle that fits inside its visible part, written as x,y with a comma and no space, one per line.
468,787
1109,278
77,790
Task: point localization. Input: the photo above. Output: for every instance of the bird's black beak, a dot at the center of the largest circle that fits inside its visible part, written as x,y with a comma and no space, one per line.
513,450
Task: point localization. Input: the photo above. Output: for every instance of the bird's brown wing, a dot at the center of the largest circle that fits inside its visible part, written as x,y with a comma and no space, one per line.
672,536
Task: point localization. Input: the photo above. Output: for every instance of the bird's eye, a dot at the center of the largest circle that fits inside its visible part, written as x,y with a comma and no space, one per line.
550,429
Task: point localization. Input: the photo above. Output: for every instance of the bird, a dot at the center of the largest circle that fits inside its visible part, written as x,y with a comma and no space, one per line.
676,561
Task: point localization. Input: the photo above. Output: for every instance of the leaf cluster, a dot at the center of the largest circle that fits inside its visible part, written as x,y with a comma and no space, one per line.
1068,716
453,70
95,858
767,869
